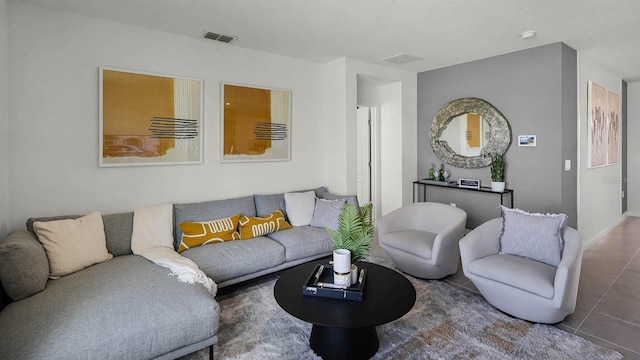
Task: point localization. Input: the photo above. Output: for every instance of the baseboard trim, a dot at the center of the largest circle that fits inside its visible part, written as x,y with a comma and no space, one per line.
603,232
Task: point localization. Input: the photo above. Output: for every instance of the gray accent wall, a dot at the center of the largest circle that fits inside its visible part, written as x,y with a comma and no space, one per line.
536,90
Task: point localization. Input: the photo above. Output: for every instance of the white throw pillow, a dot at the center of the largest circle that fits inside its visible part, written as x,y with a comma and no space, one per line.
73,244
300,207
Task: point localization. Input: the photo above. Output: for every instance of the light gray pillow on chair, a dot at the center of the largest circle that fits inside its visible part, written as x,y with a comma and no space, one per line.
534,236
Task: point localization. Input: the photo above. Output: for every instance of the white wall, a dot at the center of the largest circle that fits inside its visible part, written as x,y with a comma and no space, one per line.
633,148
398,113
398,127
4,119
54,59
599,189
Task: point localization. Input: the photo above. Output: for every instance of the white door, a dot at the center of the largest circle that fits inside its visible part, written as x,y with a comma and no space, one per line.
364,155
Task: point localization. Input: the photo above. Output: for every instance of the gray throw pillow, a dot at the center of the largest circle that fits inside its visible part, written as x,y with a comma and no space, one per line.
351,199
327,212
24,267
534,236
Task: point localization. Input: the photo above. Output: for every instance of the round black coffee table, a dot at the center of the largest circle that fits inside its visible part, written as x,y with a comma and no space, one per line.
344,329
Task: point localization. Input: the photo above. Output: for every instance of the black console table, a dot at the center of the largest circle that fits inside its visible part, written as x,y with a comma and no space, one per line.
425,183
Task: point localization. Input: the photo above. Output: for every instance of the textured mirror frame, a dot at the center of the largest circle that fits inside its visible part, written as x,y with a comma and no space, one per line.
498,143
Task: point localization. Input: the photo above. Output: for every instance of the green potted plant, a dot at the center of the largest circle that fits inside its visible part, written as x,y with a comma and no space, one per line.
497,173
355,231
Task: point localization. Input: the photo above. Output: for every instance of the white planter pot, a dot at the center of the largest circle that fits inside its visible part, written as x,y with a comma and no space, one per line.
497,186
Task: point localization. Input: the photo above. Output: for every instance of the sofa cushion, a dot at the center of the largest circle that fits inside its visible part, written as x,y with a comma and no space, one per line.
300,207
207,232
303,241
230,259
72,245
24,267
253,226
125,308
415,242
117,230
516,271
326,213
534,236
267,204
209,210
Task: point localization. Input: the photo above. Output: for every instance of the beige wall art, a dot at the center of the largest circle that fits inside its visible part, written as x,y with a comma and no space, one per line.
604,126
149,119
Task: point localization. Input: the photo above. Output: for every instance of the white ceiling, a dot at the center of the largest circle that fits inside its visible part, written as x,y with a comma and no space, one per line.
441,32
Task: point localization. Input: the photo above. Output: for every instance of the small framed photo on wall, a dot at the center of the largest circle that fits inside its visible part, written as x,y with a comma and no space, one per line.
526,140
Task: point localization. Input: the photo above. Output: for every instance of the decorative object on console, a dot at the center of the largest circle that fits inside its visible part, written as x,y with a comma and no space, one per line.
477,155
149,119
432,172
497,173
469,183
207,232
441,173
256,123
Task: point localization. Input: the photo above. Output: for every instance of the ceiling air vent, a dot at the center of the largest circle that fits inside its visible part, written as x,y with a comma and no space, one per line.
219,37
401,58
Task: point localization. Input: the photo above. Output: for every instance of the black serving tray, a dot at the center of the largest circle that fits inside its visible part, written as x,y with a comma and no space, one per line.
313,285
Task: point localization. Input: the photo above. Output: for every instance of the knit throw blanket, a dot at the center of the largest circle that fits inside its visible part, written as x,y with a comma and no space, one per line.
152,238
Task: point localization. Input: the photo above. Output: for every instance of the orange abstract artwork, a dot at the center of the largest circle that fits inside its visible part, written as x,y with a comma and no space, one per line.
256,124
149,119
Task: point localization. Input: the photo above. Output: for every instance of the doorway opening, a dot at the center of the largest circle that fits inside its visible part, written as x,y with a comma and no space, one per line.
367,176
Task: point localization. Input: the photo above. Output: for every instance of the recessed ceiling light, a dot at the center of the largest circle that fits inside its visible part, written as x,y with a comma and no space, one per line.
528,34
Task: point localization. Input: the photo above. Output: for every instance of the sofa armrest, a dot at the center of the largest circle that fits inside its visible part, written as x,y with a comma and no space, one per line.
445,246
481,242
24,266
568,271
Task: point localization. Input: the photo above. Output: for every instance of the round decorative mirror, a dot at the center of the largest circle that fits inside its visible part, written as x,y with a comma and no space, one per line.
467,132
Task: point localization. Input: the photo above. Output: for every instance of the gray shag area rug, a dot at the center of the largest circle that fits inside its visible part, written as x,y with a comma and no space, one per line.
446,323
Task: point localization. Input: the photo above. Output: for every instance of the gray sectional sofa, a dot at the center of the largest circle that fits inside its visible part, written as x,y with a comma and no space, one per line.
128,307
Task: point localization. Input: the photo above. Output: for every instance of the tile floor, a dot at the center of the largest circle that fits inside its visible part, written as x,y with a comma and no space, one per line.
608,305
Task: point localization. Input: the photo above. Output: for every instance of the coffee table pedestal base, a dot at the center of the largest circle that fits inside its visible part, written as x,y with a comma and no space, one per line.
332,343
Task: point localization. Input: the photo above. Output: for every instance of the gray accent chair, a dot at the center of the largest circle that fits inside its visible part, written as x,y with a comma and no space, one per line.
422,238
518,286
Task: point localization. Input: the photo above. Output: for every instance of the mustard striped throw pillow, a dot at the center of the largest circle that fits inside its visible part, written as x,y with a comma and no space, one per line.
251,226
201,233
